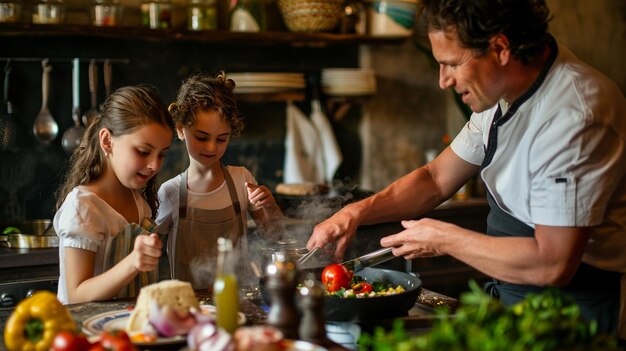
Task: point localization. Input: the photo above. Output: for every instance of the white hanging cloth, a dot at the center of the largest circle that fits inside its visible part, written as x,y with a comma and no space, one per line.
304,160
330,148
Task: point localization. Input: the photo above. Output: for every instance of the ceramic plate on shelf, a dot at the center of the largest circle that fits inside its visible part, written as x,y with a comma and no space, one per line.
116,320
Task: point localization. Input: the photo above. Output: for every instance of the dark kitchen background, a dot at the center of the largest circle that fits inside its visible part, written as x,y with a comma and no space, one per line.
382,137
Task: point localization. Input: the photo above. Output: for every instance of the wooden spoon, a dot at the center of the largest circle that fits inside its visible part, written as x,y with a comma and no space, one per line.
93,112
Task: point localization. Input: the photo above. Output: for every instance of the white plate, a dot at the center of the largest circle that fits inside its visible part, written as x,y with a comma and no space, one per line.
257,90
116,320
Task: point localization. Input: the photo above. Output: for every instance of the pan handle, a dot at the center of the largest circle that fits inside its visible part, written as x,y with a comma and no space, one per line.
370,259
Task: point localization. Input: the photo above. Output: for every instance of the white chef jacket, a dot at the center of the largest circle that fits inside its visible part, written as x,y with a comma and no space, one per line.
561,160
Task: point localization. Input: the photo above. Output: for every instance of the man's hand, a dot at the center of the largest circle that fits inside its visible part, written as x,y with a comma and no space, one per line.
419,239
334,234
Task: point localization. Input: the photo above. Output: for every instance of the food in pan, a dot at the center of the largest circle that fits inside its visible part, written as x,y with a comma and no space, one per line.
341,282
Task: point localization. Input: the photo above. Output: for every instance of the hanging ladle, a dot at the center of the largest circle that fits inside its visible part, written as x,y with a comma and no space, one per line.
73,135
45,128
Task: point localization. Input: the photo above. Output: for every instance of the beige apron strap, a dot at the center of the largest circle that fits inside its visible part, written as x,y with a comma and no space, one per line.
182,196
182,215
234,198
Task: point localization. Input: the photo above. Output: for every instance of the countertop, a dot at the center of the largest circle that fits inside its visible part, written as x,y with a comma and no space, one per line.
10,258
418,318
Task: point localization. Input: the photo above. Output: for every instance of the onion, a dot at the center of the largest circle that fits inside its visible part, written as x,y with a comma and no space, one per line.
209,337
169,321
201,317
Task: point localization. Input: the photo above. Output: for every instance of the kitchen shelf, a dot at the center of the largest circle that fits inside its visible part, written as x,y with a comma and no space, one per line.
225,37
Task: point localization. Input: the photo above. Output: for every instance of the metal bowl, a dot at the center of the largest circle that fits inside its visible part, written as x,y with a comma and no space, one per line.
37,227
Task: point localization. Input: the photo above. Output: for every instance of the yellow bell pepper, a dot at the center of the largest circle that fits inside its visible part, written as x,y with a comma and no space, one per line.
36,321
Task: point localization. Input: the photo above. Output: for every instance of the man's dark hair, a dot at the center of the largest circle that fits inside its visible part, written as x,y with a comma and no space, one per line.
523,22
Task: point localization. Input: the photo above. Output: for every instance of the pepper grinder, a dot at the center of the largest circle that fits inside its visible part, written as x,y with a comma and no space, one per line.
281,284
312,325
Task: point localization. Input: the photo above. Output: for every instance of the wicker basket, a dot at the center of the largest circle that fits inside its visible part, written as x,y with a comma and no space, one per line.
311,15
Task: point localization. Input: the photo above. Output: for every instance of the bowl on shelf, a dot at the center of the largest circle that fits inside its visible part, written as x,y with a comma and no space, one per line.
311,15
391,17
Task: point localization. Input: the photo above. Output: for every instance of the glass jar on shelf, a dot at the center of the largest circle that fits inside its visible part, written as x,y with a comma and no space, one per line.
10,11
156,14
201,15
106,13
48,12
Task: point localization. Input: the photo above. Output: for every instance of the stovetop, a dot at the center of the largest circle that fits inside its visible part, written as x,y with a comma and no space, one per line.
24,271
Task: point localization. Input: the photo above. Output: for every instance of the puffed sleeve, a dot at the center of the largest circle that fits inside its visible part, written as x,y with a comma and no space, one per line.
80,223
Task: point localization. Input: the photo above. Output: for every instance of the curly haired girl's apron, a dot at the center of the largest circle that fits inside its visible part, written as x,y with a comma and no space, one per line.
193,249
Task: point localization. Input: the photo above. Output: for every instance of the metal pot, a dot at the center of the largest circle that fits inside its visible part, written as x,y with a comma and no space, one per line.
36,234
291,248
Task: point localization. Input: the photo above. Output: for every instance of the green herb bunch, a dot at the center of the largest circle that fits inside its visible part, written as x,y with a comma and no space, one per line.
540,322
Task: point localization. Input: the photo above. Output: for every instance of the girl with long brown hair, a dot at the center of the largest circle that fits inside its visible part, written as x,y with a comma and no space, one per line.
109,197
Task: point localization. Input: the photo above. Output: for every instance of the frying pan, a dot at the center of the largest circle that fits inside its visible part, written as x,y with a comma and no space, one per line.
372,308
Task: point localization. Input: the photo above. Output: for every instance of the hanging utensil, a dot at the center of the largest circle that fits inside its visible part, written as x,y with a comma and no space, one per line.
45,128
108,77
8,127
93,112
73,135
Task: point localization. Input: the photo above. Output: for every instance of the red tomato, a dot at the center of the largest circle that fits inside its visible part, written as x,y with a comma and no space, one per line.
362,287
116,340
67,341
335,277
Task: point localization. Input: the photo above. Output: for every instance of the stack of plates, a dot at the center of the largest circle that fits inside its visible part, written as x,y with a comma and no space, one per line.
254,82
348,81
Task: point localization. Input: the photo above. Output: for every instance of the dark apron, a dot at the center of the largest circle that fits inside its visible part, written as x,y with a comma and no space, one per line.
193,250
596,291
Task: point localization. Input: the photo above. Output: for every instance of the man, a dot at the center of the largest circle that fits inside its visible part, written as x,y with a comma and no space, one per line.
547,137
